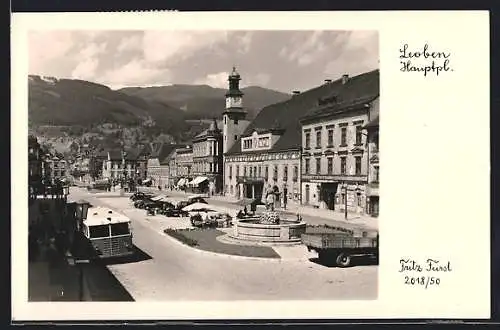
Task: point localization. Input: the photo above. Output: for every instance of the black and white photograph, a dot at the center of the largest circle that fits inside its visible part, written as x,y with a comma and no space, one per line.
206,166
203,165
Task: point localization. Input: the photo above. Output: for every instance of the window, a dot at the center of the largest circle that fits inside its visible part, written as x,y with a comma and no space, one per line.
295,173
244,171
247,144
318,165
235,137
225,120
255,171
308,140
119,229
343,165
263,142
358,134
318,139
343,136
307,165
330,165
230,171
99,231
251,171
358,165
275,173
375,174
267,172
285,173
236,121
237,170
260,172
330,137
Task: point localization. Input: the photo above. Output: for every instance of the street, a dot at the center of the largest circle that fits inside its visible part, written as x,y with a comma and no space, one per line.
179,272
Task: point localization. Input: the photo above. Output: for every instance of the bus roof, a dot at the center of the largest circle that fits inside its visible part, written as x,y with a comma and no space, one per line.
104,216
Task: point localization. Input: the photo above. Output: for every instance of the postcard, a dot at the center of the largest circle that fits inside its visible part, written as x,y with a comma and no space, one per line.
243,165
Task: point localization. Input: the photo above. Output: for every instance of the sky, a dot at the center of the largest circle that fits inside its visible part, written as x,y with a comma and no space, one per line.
279,60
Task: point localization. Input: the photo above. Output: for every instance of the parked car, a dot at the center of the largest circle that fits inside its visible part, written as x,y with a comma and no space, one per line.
139,195
174,212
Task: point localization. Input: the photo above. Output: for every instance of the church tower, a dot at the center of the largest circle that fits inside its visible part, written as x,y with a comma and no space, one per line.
234,116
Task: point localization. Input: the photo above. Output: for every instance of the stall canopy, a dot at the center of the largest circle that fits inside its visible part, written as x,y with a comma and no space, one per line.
146,181
181,182
199,179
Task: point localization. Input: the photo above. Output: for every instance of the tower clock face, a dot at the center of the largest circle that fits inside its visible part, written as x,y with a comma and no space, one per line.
233,102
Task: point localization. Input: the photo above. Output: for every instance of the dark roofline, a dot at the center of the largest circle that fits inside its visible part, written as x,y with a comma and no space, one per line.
336,109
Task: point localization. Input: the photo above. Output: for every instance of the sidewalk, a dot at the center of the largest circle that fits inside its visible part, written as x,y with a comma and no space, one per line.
328,216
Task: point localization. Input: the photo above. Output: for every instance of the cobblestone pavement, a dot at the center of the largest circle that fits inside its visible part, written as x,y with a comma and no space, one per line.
178,272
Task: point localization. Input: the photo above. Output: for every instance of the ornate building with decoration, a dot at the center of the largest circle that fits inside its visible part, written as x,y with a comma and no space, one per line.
208,160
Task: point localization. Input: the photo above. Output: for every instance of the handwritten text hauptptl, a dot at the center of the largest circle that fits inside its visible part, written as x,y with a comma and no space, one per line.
424,60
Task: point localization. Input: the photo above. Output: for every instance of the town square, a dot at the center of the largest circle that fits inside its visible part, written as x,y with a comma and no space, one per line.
165,193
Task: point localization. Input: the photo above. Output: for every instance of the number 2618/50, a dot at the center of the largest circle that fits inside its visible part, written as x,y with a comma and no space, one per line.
423,280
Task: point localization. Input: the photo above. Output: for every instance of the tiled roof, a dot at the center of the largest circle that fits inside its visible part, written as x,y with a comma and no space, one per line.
360,89
286,115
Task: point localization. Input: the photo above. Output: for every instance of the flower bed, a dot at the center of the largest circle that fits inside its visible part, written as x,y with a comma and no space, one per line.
178,235
206,239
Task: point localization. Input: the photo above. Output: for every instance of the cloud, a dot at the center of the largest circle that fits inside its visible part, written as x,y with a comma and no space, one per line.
244,42
359,54
305,48
218,80
86,70
137,72
130,44
164,45
47,46
260,79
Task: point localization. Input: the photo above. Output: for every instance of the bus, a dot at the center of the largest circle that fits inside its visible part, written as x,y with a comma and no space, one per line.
109,232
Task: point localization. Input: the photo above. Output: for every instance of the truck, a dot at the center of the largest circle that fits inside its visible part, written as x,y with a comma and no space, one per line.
341,247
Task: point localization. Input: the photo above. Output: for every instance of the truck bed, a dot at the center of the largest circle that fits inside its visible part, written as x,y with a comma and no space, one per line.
337,241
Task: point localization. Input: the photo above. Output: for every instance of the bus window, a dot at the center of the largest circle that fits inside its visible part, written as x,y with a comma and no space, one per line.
119,229
99,231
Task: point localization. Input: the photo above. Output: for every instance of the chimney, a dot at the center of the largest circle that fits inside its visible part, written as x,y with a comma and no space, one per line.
327,81
345,78
296,93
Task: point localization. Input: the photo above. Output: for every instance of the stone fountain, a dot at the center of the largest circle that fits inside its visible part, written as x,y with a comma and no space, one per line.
269,227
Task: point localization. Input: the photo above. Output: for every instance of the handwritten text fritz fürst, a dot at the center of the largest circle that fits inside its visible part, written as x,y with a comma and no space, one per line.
424,60
423,274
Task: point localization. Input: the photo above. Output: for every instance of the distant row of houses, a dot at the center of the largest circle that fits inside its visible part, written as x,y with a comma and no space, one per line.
319,148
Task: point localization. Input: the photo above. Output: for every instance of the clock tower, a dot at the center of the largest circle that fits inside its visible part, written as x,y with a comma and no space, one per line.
234,116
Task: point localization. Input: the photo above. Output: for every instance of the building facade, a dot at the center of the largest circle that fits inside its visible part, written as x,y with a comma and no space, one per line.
119,165
372,191
258,168
208,160
182,162
335,154
267,156
158,165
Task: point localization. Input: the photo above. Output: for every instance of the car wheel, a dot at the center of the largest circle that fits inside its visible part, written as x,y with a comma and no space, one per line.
343,260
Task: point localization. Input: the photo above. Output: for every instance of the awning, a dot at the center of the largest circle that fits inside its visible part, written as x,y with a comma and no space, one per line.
146,181
181,182
199,179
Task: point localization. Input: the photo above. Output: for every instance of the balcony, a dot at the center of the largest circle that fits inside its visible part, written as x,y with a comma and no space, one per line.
249,179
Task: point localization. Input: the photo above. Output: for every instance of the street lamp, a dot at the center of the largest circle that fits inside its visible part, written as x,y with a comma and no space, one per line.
345,200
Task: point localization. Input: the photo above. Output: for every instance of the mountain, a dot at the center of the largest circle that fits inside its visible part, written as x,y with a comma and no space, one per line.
202,101
66,109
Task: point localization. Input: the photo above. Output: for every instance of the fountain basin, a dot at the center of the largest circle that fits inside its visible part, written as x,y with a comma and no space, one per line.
252,230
